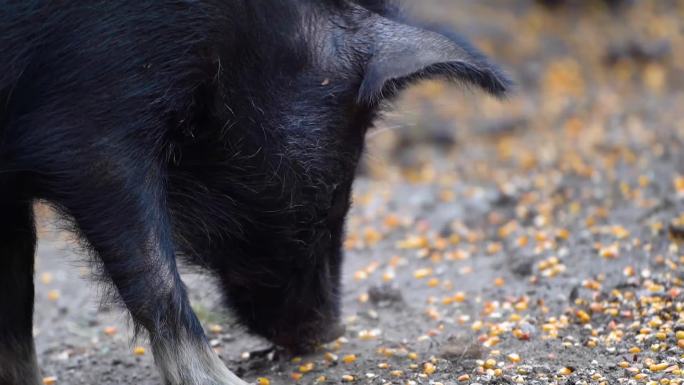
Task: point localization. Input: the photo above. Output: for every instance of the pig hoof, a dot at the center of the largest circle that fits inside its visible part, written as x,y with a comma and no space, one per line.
188,362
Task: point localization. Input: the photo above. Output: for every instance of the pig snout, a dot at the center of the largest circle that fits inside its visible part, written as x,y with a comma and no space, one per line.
306,340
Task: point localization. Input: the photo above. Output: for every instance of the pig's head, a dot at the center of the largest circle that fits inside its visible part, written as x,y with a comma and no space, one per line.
298,95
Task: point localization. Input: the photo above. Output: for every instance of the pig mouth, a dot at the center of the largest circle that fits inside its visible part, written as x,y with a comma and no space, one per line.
308,341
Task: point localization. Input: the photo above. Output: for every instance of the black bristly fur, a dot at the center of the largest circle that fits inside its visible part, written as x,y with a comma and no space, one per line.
223,131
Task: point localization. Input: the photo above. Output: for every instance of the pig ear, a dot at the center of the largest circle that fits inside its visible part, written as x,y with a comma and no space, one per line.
402,54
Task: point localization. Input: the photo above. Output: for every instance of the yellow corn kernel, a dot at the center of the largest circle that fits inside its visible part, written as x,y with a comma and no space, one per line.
583,316
349,358
429,368
306,368
422,273
565,371
514,357
53,295
330,357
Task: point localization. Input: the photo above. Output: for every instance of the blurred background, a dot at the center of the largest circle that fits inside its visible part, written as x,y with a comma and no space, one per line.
587,73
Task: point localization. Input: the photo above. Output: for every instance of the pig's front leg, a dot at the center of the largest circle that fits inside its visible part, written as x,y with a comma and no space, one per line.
124,218
17,247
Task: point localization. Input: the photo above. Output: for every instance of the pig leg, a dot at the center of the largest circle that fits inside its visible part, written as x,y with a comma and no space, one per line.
17,247
124,219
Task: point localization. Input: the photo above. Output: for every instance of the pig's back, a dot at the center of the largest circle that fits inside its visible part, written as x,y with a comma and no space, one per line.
77,76
96,63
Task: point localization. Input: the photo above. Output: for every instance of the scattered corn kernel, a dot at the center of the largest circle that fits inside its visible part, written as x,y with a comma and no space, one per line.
429,368
330,357
583,316
46,279
565,371
53,295
514,357
349,358
306,368
422,273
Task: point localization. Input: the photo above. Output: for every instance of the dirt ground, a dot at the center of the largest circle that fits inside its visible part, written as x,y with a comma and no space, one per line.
533,240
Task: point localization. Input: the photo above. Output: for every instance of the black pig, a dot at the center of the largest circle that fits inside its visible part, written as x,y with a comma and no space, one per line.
224,132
